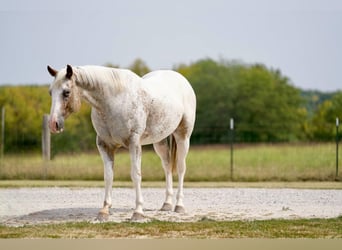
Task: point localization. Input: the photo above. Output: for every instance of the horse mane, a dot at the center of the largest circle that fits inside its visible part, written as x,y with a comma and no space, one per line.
98,77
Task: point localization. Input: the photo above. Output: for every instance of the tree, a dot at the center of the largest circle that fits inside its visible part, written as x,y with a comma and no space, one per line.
213,84
111,65
25,106
263,103
267,106
139,67
323,121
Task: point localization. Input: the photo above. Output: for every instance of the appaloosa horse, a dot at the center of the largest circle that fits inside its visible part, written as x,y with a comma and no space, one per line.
130,111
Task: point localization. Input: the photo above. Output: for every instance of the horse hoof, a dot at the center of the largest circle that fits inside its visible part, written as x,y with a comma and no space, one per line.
166,207
137,216
180,209
102,217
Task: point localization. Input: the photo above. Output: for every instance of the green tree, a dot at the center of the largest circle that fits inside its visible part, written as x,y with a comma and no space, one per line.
323,121
24,106
267,106
112,65
263,103
214,85
139,67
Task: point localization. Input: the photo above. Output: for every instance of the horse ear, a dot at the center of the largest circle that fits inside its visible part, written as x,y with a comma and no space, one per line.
52,71
69,72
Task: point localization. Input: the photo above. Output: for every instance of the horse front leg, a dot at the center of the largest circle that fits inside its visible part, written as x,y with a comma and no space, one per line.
107,155
135,154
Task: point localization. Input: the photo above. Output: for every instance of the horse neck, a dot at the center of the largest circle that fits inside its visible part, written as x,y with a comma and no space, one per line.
97,83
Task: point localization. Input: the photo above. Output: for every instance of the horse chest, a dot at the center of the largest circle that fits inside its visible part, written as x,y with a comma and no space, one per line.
115,128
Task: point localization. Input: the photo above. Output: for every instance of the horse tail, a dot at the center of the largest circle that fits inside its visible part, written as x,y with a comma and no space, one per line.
173,152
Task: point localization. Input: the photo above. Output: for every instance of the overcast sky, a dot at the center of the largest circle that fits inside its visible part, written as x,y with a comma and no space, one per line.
302,38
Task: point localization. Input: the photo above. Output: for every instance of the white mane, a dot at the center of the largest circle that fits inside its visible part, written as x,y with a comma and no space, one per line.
91,77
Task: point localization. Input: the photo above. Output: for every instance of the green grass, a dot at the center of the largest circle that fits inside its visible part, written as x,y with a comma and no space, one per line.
205,229
287,162
161,184
253,163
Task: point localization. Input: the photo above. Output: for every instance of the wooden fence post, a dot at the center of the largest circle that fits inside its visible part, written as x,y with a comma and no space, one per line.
2,143
337,141
231,149
46,141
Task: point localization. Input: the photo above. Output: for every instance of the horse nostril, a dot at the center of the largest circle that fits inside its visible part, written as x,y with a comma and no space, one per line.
57,128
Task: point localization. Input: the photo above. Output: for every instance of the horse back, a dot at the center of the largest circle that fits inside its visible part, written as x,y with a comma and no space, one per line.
167,84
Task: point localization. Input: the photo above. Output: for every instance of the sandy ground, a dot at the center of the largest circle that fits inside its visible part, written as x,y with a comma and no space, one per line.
20,206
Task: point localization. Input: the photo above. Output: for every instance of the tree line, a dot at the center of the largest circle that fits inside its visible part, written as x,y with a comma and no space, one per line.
265,106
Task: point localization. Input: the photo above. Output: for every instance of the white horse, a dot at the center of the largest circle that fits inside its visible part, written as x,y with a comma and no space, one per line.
130,111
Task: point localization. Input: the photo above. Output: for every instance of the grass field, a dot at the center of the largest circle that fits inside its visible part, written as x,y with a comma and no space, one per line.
308,162
205,229
294,166
161,184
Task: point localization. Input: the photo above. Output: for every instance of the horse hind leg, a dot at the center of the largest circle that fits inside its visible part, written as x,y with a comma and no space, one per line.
182,138
162,150
182,151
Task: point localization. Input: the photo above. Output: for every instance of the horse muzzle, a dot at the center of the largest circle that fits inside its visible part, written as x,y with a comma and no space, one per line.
56,125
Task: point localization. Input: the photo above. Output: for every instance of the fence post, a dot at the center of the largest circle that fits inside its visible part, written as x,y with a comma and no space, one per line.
2,132
231,149
337,142
46,141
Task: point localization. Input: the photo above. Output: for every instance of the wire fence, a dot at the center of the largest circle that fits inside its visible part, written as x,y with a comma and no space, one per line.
226,156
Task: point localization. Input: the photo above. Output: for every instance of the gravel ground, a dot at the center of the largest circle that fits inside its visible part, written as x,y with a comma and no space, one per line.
20,206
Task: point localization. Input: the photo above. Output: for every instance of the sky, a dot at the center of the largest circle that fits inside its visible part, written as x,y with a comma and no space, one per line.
301,38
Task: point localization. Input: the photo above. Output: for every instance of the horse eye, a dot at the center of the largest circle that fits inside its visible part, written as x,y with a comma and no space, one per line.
66,93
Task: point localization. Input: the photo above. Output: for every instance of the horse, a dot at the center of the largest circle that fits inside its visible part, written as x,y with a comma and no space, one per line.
130,111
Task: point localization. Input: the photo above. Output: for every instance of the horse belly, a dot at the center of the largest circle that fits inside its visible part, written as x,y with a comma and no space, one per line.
160,125
113,133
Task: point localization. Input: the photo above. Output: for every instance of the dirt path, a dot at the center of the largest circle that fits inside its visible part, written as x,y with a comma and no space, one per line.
19,206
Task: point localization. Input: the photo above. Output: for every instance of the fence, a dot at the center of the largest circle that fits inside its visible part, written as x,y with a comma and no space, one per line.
232,149
222,160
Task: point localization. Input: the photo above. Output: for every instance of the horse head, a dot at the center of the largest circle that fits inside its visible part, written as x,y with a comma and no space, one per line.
65,96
